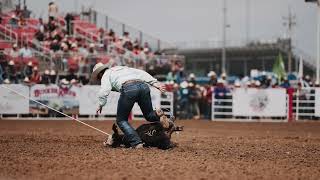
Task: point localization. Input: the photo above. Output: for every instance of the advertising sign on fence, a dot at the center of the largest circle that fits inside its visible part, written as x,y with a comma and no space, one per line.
88,100
259,102
63,98
317,103
11,103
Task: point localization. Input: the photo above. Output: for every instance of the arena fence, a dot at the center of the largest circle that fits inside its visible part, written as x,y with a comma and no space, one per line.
266,105
243,104
78,101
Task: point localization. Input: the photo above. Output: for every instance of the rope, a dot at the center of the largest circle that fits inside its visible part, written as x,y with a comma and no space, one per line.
55,110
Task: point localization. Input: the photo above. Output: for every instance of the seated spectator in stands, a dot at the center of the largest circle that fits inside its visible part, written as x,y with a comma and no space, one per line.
14,52
41,26
53,76
52,10
83,51
12,72
55,46
45,78
213,78
14,21
40,36
25,52
35,77
28,70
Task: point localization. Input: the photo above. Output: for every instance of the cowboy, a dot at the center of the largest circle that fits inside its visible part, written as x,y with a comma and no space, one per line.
133,87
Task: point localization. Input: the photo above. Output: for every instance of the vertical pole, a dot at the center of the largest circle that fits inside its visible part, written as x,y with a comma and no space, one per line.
159,44
140,38
248,9
123,28
107,23
212,106
223,64
318,44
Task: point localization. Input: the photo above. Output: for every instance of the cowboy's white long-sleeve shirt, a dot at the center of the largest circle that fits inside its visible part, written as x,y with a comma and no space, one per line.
114,77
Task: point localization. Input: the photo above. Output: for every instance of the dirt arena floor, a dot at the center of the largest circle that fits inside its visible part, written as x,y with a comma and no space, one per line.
207,150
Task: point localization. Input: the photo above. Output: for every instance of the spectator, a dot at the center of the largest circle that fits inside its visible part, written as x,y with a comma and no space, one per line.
26,12
194,98
220,93
286,84
213,78
25,52
69,18
45,79
192,79
28,70
14,21
184,100
14,52
35,77
41,26
12,72
53,76
52,11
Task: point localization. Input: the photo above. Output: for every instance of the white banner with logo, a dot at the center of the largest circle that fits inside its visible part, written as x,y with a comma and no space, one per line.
12,103
63,98
88,101
259,102
317,103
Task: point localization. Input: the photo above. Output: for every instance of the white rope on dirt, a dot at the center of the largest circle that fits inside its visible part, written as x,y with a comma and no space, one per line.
55,110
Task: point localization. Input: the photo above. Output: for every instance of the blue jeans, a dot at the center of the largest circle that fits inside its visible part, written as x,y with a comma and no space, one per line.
129,94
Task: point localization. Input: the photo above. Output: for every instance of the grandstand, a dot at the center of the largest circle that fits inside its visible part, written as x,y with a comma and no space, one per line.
71,43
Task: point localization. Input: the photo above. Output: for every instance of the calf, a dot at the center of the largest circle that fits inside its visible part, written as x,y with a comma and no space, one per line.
151,134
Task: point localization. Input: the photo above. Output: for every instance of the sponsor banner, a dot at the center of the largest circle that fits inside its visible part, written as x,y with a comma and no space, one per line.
62,98
12,103
88,101
317,103
259,102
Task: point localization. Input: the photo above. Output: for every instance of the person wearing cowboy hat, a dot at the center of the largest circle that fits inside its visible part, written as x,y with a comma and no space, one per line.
133,85
28,70
12,72
45,78
213,78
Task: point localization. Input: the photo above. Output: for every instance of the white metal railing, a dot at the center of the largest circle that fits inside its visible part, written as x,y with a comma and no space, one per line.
222,110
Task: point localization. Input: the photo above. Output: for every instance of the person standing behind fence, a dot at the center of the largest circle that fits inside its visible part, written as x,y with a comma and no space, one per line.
194,97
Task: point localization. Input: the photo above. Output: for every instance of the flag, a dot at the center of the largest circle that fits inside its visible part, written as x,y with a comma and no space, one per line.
278,67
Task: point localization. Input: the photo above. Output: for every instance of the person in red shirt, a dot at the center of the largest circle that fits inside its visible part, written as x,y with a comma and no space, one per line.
36,76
